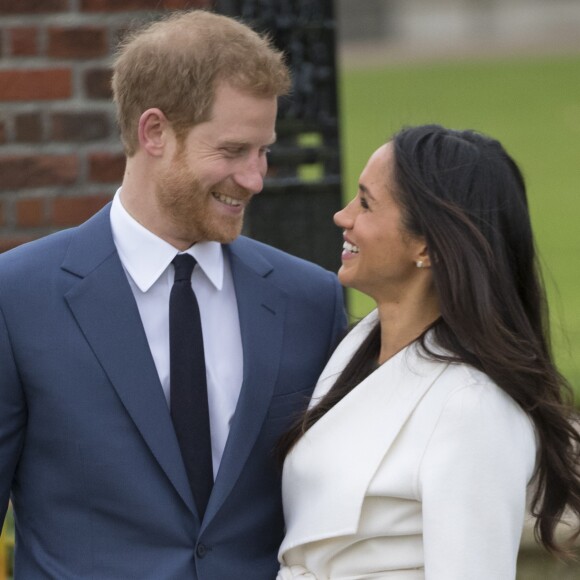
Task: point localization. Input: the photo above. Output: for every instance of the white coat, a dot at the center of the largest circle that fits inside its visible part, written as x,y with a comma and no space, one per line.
420,472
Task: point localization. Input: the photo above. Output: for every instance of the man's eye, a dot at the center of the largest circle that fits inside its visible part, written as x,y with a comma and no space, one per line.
232,150
364,203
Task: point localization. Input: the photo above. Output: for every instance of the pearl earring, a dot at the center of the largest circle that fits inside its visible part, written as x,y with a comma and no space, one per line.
419,263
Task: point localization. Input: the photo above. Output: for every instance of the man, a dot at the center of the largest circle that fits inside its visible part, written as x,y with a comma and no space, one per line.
90,449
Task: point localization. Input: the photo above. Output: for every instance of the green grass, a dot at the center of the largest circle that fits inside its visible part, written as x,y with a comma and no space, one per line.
533,107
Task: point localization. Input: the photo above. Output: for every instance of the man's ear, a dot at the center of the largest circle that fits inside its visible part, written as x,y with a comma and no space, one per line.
153,132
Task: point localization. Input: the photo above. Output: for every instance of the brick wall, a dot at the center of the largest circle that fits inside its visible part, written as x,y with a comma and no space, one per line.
60,156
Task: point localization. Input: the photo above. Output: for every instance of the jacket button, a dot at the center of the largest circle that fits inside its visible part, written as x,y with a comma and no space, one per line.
201,550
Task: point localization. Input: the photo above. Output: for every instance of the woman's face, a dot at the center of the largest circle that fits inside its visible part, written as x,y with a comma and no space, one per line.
379,257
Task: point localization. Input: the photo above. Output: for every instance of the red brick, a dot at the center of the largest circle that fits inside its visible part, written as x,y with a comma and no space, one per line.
35,85
27,171
70,211
28,128
79,42
30,213
79,127
127,5
7,243
24,41
2,132
106,167
32,6
98,83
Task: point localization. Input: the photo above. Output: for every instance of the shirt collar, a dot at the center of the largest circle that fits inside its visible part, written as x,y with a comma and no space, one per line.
146,256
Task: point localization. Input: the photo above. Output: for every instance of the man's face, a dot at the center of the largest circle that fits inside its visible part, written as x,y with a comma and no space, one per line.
203,190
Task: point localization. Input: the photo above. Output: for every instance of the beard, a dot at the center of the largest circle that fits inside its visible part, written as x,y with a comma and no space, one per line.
190,208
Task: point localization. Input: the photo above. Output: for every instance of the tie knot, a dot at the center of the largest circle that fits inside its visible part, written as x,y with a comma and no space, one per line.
184,264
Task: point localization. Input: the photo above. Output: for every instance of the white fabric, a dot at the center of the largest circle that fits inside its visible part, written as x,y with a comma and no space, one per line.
146,259
420,472
292,572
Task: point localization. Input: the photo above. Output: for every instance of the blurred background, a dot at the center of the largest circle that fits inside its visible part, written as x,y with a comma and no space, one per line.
509,68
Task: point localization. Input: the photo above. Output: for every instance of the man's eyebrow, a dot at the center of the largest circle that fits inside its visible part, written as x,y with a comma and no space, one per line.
235,143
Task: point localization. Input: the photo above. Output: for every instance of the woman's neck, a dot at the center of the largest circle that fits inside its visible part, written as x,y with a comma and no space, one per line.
401,324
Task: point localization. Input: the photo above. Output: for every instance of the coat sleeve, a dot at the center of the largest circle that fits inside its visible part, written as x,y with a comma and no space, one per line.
12,417
340,321
472,483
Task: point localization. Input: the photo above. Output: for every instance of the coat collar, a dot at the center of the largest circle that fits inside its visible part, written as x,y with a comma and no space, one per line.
353,439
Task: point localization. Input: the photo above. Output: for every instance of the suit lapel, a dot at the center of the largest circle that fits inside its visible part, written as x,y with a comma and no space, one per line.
353,438
261,309
104,307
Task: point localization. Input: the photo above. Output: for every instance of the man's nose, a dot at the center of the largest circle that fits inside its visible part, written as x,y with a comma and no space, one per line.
251,175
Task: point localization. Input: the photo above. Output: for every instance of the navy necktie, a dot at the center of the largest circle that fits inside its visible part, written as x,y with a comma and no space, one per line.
188,391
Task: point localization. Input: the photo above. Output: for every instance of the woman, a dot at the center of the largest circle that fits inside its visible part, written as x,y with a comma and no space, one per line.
440,418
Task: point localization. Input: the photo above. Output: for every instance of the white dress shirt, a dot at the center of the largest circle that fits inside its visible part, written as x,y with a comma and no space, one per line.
146,259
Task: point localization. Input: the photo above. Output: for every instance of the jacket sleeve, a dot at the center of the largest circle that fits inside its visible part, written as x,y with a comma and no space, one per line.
472,482
12,417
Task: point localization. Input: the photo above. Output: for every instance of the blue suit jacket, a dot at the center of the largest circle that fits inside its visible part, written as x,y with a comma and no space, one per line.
87,447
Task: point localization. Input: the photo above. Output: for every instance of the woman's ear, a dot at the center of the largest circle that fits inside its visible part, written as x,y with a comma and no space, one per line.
423,260
153,131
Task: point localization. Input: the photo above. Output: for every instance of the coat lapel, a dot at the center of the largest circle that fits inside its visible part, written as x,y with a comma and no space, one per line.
104,307
352,438
261,309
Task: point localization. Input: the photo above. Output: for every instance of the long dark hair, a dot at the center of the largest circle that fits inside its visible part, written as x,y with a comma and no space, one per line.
465,195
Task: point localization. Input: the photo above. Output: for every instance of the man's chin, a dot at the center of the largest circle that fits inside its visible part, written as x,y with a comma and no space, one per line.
224,236
228,239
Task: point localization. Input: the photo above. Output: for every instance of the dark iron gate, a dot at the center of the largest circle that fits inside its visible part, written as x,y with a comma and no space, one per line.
303,186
